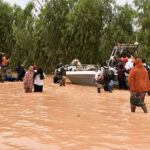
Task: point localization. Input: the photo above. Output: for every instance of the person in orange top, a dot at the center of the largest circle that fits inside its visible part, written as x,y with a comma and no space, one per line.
139,84
5,61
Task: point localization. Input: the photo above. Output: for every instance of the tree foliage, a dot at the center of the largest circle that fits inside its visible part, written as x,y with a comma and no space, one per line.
86,29
6,31
143,22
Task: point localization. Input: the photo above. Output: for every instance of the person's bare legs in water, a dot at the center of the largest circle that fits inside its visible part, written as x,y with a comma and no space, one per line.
144,108
137,100
133,108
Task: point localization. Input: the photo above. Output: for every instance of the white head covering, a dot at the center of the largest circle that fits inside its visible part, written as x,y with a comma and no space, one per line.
129,64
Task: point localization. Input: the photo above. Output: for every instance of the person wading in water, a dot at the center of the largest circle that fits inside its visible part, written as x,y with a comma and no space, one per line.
139,84
121,77
38,76
28,80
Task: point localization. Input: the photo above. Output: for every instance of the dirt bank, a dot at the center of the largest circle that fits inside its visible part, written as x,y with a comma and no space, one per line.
73,117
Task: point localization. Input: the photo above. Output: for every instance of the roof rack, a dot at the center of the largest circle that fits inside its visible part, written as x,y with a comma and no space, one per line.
119,48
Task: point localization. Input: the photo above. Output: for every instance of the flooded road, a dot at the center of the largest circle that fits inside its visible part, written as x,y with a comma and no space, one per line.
73,117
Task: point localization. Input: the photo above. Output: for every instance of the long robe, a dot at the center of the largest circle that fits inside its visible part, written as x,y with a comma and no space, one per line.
28,79
138,78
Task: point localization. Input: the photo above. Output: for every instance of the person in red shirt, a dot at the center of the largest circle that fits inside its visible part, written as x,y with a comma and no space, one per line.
124,60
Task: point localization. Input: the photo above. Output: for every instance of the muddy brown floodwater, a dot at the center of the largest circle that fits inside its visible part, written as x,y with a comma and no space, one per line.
73,117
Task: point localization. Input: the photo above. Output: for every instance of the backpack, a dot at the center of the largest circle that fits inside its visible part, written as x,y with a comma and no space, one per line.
109,74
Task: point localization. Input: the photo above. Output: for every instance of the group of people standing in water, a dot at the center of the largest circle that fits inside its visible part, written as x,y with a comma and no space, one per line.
33,79
138,80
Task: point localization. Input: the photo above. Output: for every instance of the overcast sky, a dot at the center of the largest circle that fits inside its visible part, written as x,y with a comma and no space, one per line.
23,3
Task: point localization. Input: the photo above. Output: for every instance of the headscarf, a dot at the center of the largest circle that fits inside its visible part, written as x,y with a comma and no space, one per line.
35,67
28,79
30,70
129,64
138,78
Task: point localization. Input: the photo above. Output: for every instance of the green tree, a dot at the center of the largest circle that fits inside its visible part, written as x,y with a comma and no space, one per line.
119,28
23,30
6,31
50,25
143,23
84,27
